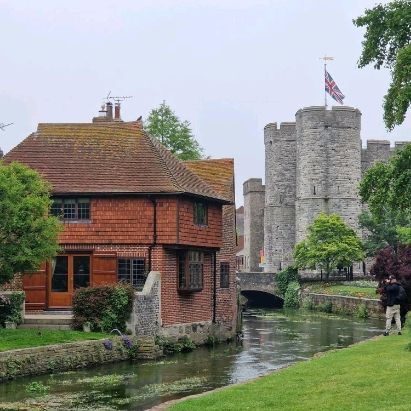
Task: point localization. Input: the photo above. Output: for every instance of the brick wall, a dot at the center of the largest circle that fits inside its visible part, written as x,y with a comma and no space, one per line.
226,312
130,221
189,233
181,308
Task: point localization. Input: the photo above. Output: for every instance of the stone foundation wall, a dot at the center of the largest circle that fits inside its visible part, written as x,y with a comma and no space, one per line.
198,332
62,357
349,305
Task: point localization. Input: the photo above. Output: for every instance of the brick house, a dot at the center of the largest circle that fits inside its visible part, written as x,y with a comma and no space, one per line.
130,207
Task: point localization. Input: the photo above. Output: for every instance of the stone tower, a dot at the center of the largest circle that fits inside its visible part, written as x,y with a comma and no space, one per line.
328,165
279,212
312,165
254,193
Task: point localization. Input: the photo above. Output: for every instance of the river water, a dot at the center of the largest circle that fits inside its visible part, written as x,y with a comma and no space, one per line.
272,339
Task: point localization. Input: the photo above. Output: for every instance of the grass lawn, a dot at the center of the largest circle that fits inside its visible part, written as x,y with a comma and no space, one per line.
373,375
25,338
340,289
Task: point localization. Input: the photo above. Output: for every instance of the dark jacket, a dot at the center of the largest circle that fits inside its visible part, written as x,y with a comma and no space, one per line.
392,291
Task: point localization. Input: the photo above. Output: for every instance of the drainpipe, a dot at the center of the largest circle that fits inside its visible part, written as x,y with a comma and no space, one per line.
214,286
152,245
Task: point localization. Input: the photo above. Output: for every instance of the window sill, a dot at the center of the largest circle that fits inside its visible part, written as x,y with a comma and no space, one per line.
189,290
76,221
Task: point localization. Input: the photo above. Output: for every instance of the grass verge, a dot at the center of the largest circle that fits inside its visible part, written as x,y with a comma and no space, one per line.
26,338
373,375
340,289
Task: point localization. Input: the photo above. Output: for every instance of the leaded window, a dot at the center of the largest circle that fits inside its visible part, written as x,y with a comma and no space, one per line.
224,275
70,209
190,270
200,213
132,271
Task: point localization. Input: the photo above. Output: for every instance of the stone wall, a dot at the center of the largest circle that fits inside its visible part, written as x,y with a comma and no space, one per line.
145,317
264,282
16,284
348,305
279,211
254,193
328,165
198,332
62,357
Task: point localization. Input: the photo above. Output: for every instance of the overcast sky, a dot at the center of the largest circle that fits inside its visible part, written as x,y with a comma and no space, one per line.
227,66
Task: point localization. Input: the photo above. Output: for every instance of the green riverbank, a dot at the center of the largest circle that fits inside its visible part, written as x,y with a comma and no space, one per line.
29,338
373,375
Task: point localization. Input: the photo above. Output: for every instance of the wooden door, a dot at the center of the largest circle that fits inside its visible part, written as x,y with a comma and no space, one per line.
66,274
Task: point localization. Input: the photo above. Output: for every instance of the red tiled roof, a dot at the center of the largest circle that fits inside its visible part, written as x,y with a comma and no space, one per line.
99,158
217,173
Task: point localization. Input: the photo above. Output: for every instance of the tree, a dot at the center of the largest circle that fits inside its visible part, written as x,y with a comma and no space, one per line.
386,188
175,135
387,42
397,264
28,235
330,243
384,229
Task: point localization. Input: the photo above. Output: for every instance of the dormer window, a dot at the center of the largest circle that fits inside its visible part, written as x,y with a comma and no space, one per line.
71,209
200,213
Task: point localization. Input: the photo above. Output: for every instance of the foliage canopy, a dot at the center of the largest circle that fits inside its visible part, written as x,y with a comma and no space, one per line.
330,243
174,134
386,188
387,42
28,235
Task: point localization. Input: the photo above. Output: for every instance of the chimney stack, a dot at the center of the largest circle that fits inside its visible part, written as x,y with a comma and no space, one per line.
117,111
109,110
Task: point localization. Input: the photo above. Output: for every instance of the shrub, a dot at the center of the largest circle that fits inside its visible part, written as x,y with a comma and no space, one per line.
291,299
285,277
326,307
308,303
10,307
105,307
362,311
170,346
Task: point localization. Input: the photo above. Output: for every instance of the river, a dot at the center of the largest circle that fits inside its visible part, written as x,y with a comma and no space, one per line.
272,339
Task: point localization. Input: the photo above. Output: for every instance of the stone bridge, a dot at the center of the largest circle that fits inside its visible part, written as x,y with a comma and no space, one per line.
259,288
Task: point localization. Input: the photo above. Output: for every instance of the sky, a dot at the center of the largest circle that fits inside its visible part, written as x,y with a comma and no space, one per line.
229,67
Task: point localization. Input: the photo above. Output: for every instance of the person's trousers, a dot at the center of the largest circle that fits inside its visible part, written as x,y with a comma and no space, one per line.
393,311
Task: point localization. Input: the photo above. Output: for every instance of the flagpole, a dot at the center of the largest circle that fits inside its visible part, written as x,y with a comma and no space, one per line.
325,58
325,91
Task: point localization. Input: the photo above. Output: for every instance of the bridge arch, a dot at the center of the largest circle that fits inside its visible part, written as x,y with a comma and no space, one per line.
260,289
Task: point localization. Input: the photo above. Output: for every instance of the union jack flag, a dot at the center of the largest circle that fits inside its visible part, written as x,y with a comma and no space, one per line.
332,89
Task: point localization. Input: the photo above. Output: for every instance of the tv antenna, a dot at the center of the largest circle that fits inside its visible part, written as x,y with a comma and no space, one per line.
3,126
118,99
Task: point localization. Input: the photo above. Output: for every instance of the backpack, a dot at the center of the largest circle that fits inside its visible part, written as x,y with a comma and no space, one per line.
402,295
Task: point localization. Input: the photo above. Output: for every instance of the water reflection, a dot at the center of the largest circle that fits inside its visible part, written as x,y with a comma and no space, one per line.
272,339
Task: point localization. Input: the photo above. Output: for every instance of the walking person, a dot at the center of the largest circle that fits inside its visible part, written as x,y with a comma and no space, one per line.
392,290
